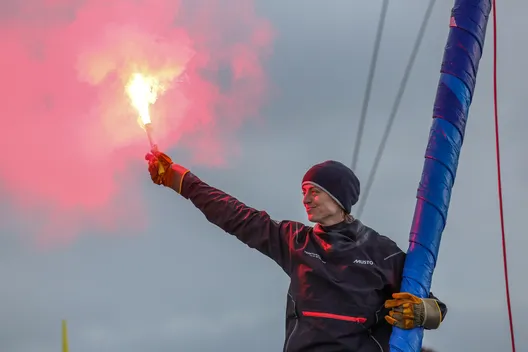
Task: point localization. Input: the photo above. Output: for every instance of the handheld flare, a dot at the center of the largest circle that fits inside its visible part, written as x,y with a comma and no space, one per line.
148,129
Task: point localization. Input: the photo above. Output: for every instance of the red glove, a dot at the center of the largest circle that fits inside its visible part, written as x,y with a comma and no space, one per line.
164,172
160,168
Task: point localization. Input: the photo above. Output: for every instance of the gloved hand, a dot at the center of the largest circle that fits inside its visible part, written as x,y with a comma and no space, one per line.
164,172
408,311
160,168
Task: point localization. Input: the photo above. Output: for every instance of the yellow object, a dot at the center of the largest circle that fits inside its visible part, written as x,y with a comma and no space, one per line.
65,347
408,311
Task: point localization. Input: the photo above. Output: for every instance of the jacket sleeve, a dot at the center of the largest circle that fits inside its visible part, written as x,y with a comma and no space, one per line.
395,276
253,227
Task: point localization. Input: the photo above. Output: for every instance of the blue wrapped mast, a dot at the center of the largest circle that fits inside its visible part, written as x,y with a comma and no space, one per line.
462,55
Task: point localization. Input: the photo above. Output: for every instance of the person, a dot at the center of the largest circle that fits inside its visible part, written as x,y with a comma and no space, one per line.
344,276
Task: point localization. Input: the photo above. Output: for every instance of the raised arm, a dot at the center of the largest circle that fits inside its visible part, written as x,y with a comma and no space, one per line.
253,227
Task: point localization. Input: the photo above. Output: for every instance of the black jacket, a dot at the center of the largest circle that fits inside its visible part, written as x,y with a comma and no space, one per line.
340,275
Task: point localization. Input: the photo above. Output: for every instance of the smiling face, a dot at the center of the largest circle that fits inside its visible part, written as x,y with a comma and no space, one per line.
321,207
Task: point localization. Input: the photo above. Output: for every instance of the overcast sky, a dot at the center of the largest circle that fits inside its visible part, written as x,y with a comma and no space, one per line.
184,285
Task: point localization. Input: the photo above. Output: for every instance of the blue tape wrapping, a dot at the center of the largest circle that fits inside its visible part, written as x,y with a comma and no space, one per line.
462,54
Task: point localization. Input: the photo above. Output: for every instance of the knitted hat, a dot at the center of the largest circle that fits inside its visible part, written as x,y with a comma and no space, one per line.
336,179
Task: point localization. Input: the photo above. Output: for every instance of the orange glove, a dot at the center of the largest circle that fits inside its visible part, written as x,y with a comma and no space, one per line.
160,168
408,311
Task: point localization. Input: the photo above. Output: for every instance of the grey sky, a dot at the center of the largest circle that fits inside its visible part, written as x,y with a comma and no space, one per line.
184,285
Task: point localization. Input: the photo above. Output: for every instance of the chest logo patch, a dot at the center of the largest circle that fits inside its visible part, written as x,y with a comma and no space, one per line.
315,255
363,262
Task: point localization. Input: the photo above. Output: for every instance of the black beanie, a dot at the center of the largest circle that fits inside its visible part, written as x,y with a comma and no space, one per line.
336,179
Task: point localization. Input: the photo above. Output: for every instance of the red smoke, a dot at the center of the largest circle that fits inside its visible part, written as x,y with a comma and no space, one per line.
69,134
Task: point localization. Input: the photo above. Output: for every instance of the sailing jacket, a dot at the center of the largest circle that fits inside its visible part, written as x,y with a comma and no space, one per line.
340,276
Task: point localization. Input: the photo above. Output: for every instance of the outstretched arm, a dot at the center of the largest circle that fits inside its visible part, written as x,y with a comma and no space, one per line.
253,227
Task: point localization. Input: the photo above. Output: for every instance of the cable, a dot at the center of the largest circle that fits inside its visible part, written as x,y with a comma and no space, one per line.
370,79
396,106
499,178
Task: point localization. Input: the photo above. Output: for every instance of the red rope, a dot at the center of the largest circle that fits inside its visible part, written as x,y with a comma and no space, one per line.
499,179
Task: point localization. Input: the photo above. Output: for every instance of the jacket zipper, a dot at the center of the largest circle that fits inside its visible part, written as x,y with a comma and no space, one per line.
360,320
294,326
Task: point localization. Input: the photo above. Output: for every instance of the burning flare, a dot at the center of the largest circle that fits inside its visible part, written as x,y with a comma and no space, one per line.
143,92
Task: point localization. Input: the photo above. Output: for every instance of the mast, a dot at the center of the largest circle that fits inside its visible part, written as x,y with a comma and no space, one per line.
462,54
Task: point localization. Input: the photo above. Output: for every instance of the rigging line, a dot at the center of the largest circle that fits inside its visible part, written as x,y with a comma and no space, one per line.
396,106
370,79
499,178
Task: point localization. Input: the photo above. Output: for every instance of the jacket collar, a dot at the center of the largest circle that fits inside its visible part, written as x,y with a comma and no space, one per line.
353,230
